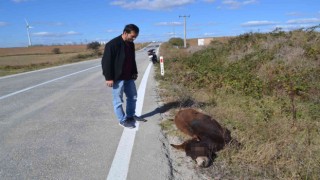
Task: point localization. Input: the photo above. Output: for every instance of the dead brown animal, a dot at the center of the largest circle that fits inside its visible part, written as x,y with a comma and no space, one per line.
208,136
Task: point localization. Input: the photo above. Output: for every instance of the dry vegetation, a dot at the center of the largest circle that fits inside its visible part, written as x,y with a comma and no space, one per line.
265,88
17,60
40,50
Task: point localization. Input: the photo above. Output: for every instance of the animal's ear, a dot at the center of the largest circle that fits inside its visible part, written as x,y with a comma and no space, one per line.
179,147
196,138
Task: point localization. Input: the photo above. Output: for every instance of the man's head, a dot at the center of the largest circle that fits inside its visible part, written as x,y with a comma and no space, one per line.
130,32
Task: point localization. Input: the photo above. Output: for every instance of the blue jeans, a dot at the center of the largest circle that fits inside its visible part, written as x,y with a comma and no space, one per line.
129,88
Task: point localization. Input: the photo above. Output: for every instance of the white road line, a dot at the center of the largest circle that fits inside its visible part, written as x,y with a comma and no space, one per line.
47,82
120,164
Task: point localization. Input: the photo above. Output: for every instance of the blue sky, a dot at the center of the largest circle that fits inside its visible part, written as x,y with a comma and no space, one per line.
82,21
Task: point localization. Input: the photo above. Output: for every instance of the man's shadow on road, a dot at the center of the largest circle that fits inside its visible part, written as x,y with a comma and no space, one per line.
176,104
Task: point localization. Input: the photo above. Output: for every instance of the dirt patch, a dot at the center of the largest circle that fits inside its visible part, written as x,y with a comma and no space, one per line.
182,166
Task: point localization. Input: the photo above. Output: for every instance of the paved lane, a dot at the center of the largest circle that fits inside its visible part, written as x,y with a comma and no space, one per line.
56,131
64,126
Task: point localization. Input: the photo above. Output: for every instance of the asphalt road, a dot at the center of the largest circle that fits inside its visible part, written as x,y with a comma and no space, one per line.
58,123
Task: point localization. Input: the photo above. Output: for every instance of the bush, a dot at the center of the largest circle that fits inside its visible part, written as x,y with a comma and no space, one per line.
93,45
84,56
56,51
176,41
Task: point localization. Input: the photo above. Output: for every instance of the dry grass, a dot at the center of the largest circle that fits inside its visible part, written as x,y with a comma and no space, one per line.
275,147
41,50
34,59
265,89
17,60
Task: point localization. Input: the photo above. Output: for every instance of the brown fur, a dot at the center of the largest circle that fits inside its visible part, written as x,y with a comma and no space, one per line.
208,136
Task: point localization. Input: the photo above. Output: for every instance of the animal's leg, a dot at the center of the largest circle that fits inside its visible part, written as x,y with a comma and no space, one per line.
195,137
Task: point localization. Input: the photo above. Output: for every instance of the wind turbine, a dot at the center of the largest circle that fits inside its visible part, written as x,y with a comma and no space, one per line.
28,31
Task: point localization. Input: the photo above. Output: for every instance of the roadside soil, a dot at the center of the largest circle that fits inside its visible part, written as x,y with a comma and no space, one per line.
183,167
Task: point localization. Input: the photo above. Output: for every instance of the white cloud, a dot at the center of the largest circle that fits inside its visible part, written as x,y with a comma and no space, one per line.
292,27
112,31
71,33
54,23
19,1
170,4
209,34
232,4
57,24
205,24
294,14
209,1
48,23
50,34
169,24
2,24
304,21
236,4
249,2
258,23
43,34
288,26
151,4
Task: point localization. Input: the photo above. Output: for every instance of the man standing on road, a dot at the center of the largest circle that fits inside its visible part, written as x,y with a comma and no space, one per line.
119,68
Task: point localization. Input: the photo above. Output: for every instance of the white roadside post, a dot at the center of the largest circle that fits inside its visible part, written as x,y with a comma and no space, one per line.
161,66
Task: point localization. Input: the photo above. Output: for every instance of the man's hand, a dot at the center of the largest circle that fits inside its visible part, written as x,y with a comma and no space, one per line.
135,76
109,83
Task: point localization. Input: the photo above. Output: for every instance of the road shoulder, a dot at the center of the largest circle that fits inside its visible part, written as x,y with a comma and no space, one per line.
149,158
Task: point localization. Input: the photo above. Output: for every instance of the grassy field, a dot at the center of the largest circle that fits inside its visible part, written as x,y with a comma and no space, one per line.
265,88
40,50
17,60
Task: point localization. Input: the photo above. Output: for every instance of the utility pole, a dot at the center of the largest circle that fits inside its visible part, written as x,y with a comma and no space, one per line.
185,30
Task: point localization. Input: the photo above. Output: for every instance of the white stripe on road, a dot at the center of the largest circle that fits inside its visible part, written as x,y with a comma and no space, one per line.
47,82
120,164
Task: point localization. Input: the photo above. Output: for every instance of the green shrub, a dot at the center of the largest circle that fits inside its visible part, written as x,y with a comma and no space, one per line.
176,41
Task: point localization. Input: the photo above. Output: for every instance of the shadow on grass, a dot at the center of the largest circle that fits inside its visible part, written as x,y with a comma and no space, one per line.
172,105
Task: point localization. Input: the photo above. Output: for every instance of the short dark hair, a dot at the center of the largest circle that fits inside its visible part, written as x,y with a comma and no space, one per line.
131,27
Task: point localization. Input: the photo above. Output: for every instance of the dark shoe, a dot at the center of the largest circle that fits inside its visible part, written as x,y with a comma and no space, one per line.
136,118
127,124
131,120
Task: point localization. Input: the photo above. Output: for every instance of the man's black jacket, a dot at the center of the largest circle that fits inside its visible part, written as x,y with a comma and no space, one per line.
114,57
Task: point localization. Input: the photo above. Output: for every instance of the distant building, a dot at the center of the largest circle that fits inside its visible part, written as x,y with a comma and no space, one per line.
206,41
200,42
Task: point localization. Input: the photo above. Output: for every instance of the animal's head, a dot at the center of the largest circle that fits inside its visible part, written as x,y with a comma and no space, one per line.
199,151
